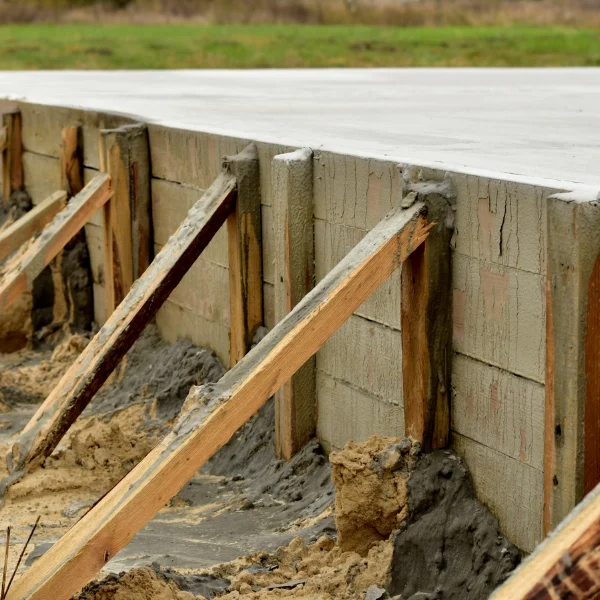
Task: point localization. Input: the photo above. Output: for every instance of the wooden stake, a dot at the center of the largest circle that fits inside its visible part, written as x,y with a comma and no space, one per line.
71,162
572,415
31,223
295,402
12,166
244,234
6,549
79,384
566,565
213,413
53,239
425,324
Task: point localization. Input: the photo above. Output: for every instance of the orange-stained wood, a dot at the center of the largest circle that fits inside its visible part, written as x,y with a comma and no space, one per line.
211,416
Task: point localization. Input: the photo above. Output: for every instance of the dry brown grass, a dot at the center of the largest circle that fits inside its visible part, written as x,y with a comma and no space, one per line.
368,12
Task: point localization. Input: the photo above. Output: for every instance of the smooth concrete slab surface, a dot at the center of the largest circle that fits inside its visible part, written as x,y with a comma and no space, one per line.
534,124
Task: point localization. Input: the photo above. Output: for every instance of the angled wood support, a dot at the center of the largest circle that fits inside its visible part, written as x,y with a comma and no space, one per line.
213,413
572,418
295,402
426,322
53,239
12,150
244,234
79,384
32,223
566,565
124,155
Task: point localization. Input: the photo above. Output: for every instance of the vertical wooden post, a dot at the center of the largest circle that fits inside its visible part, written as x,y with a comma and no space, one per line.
71,163
425,322
12,165
244,233
572,414
127,233
292,179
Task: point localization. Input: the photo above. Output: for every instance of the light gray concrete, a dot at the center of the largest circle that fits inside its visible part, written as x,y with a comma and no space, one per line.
537,124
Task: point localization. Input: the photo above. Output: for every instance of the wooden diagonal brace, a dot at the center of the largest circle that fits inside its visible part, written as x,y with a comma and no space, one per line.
79,384
31,223
53,239
213,413
567,564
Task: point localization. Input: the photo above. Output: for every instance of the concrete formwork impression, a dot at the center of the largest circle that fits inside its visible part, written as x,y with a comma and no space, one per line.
337,151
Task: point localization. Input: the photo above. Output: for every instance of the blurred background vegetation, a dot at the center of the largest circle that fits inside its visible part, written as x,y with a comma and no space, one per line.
297,33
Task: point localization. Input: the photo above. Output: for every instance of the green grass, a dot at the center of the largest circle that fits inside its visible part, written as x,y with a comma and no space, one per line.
43,46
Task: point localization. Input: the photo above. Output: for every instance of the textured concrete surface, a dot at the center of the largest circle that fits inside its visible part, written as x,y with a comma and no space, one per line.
537,123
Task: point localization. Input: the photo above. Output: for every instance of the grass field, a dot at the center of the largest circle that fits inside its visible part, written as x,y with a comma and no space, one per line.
45,46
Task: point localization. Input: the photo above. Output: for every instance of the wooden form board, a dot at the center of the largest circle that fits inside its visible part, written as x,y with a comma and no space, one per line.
292,184
244,238
425,323
567,564
124,155
572,415
71,161
32,223
212,414
103,353
53,239
12,148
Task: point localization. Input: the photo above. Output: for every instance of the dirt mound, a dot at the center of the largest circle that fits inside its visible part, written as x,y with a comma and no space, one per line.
370,482
138,584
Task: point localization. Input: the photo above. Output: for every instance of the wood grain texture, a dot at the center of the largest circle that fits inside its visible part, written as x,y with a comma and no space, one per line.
53,239
12,166
292,183
244,237
96,363
425,324
71,160
30,224
212,414
572,448
567,564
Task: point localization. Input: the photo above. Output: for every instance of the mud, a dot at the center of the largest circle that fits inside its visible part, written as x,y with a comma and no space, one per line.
450,546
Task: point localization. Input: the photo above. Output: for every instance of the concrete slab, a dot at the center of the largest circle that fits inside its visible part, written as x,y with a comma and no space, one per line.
540,125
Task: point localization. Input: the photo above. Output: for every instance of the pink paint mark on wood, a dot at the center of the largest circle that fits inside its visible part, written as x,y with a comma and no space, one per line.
495,289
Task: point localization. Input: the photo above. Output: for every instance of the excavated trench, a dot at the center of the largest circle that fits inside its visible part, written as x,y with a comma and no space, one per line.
375,520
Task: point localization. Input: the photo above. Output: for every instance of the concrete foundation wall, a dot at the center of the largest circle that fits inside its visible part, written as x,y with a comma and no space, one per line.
498,361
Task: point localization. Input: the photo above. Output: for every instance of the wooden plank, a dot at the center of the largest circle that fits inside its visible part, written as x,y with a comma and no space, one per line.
31,223
212,414
295,402
12,166
571,441
95,364
53,239
425,323
118,244
244,237
3,138
566,565
71,161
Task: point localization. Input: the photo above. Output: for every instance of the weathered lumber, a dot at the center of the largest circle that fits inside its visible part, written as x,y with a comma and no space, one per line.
567,564
79,384
12,149
572,408
292,184
244,238
426,322
118,250
71,161
31,223
213,413
53,238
